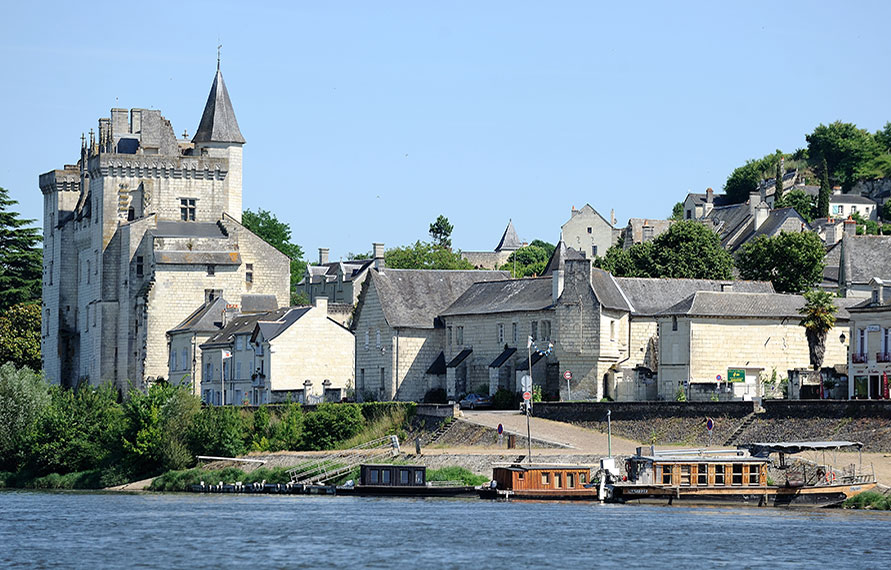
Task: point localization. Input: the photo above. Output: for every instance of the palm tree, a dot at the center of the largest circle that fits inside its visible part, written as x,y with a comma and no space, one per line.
818,315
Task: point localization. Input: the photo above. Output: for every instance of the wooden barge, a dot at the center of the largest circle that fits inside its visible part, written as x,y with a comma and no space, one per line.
540,481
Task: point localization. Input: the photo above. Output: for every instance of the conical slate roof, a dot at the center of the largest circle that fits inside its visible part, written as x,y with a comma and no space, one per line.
509,241
218,123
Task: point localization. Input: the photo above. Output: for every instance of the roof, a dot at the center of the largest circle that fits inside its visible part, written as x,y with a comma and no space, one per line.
488,297
524,363
188,229
608,292
650,296
459,358
327,272
797,446
502,358
272,329
850,199
752,305
717,199
509,239
438,368
206,318
770,227
412,298
558,259
218,123
586,209
258,303
864,257
241,324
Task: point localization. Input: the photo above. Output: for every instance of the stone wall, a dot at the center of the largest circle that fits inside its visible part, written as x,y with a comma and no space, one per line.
640,411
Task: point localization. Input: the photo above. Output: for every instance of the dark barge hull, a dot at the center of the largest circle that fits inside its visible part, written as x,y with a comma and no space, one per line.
768,497
539,495
407,491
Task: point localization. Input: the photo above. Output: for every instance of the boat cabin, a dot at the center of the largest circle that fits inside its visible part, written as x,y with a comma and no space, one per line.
541,477
699,468
393,475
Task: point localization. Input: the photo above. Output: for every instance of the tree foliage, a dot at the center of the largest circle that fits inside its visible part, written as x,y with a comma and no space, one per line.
677,212
278,235
330,424
825,195
20,335
743,181
802,203
529,260
441,232
851,154
818,318
687,250
23,397
778,181
424,255
793,262
21,268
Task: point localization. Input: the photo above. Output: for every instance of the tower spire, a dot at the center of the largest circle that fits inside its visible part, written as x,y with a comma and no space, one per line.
219,47
218,123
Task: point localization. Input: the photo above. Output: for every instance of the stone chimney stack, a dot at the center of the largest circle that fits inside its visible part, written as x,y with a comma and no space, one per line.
709,201
754,200
323,255
833,233
761,214
321,303
378,253
850,227
557,283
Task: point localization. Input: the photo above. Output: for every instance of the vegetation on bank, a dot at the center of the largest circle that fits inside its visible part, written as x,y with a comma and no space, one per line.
457,474
96,437
869,500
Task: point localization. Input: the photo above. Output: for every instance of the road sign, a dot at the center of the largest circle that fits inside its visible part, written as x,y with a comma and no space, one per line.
526,382
567,375
709,424
736,375
500,429
527,395
718,378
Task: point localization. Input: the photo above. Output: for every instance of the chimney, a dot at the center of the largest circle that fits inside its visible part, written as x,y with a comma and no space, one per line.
321,302
573,212
612,217
850,227
836,190
833,233
754,200
378,249
557,283
762,193
761,214
323,255
709,202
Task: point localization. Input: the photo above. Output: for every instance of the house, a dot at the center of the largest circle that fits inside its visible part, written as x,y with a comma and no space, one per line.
860,259
509,243
400,342
339,281
725,344
698,205
588,232
641,230
869,365
844,205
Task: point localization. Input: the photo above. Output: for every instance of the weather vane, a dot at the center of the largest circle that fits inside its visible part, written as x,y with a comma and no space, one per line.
219,47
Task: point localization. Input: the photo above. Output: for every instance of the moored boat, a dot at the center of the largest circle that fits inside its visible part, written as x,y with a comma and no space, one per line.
540,481
384,480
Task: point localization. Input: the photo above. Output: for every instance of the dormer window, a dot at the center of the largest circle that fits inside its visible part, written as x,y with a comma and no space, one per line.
187,209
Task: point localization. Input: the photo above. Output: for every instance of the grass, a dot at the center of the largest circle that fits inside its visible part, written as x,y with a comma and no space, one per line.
90,479
455,473
183,480
391,423
869,500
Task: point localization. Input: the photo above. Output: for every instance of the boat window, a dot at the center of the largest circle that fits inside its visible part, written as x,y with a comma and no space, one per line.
419,477
702,474
719,474
520,475
403,476
666,474
737,474
373,475
545,478
754,475
558,480
385,476
583,478
570,480
685,475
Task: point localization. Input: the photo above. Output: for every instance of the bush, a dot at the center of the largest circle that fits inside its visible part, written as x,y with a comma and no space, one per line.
505,400
23,398
869,500
217,431
436,396
330,424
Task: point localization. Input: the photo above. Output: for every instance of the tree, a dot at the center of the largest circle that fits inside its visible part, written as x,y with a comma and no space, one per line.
21,267
424,255
778,182
818,318
278,235
23,398
800,201
793,262
850,153
825,191
529,260
441,231
20,335
677,212
743,181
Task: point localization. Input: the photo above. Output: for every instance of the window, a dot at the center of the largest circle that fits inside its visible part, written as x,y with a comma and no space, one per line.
666,474
403,476
612,331
377,338
185,363
88,271
385,476
558,480
373,475
140,266
589,230
448,336
674,324
238,370
187,209
419,477
513,332
211,271
534,328
520,476
545,478
238,340
719,474
861,342
546,330
689,215
647,233
367,333
702,474
459,336
570,480
500,333
686,475
836,209
173,365
594,251
96,268
249,273
211,295
754,475
583,478
737,478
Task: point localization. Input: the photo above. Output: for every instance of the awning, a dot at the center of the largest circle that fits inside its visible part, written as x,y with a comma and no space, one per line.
460,358
438,368
535,358
502,358
797,446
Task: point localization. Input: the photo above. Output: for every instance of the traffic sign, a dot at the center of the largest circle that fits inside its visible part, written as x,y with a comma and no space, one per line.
527,395
500,429
526,382
567,375
709,424
718,378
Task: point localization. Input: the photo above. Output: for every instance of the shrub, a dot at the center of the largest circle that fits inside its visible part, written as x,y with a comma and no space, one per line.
505,400
436,396
23,397
455,473
217,431
330,424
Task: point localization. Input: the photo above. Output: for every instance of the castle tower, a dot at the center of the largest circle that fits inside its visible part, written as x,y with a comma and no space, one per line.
218,135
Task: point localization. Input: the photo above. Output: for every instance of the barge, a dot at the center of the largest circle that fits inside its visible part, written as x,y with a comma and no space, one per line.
384,480
541,481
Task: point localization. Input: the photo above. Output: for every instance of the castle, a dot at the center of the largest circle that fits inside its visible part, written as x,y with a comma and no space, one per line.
141,231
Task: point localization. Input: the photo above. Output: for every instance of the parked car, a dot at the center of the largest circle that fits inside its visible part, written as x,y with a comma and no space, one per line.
476,401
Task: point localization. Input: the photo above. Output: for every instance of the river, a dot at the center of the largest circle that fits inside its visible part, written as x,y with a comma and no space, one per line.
113,530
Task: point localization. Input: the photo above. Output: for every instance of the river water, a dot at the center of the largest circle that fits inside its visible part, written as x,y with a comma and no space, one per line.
113,530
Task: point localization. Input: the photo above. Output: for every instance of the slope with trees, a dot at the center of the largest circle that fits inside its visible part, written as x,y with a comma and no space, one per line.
792,261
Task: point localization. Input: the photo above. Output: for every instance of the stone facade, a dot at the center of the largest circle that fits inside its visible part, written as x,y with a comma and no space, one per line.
869,362
588,232
138,233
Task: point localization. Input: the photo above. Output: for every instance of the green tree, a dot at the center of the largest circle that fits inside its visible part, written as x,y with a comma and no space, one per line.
850,153
818,318
441,231
278,235
424,255
825,191
529,260
743,181
20,335
217,431
21,270
677,212
24,396
330,424
778,182
618,260
800,201
793,262
886,211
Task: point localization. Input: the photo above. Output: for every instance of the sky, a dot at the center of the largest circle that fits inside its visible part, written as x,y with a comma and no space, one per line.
365,120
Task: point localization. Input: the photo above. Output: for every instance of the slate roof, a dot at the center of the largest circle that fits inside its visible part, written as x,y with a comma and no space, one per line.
502,358
242,324
512,295
729,219
651,296
459,358
608,291
850,199
717,199
188,229
524,363
258,303
328,271
746,305
206,318
562,252
510,241
832,260
218,123
273,328
770,227
865,257
412,298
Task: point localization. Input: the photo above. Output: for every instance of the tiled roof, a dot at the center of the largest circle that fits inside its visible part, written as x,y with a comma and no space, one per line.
649,296
512,295
746,305
218,123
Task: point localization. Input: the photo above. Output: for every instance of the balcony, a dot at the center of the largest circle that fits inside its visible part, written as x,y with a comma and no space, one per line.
883,357
858,358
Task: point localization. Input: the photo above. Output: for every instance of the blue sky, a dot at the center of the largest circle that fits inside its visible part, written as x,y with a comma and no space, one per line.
366,120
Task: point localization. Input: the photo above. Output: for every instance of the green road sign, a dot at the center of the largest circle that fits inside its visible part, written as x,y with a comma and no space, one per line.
736,375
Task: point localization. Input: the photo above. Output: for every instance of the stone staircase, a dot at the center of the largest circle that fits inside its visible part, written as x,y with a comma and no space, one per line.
443,428
747,421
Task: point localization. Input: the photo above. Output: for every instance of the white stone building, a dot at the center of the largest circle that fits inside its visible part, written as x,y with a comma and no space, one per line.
869,364
588,232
